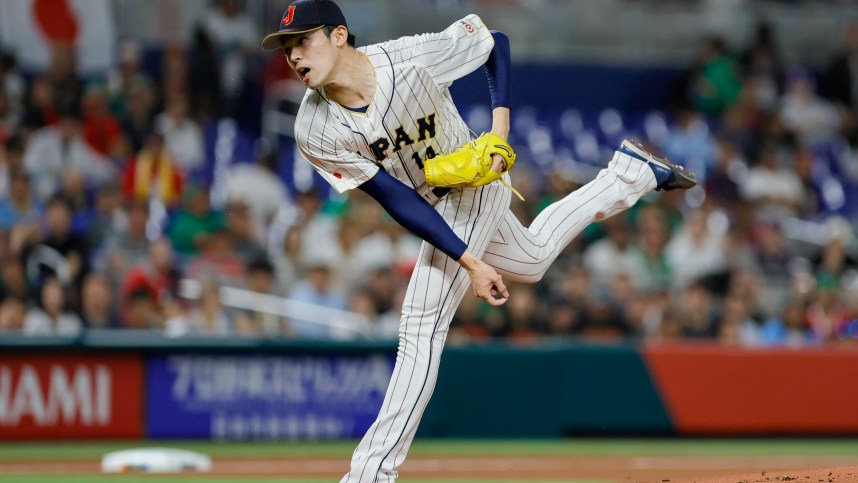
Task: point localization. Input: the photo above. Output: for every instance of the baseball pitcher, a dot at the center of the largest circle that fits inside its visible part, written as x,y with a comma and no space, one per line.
381,119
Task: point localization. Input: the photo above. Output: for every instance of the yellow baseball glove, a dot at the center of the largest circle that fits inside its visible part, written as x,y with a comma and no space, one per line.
470,165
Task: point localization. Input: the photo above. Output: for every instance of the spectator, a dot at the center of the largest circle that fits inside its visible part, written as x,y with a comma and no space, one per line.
773,186
690,143
162,268
698,312
40,109
137,120
64,253
62,73
4,247
716,83
670,325
789,329
258,185
97,303
355,266
153,174
466,326
405,247
317,289
51,315
763,68
9,119
317,227
100,128
129,247
838,254
234,36
772,255
728,172
387,246
576,292
239,225
13,312
361,303
174,71
288,265
127,77
195,221
803,113
20,207
612,255
381,288
850,306
602,318
827,315
107,217
562,319
524,317
839,83
696,250
12,83
737,326
654,272
217,261
207,317
260,280
54,149
13,279
73,189
11,160
158,275
183,137
141,311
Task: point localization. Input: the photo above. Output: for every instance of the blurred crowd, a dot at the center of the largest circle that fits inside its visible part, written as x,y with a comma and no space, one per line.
108,218
763,253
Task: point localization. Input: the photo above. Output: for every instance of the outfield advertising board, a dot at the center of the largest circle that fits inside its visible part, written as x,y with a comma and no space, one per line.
59,395
236,397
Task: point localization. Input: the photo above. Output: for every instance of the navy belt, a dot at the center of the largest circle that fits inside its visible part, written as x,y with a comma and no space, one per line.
440,192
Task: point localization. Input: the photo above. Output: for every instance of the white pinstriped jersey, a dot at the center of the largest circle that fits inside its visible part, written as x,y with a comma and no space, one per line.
411,116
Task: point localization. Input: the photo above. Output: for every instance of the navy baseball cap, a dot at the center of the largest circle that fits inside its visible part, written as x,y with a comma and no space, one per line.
305,16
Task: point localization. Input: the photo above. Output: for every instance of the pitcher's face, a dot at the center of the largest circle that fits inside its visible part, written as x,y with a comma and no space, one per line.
312,55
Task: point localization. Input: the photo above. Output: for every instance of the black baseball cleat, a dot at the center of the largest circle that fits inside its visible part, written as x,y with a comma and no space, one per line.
668,176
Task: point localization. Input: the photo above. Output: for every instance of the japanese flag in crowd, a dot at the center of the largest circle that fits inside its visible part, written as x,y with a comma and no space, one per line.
29,28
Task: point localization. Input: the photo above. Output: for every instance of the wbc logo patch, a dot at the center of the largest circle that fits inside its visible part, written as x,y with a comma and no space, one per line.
289,14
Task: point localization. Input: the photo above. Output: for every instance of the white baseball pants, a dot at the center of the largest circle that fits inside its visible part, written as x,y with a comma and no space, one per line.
481,217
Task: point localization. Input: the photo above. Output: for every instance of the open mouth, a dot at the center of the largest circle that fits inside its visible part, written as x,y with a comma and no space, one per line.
303,71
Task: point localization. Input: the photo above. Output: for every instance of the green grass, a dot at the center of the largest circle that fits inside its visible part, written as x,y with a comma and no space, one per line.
86,451
225,479
22,452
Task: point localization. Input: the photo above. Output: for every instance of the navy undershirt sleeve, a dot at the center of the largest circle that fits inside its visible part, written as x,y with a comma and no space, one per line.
414,213
499,71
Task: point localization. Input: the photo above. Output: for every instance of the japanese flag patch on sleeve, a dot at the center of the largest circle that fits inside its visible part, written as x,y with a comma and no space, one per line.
469,26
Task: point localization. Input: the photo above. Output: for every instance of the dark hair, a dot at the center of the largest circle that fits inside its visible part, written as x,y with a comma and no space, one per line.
60,200
140,293
328,29
15,144
260,264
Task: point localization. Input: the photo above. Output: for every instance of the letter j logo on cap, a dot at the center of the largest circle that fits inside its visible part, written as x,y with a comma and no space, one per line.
289,14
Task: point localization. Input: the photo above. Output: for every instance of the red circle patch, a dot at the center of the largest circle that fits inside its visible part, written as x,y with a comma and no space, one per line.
338,176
